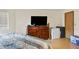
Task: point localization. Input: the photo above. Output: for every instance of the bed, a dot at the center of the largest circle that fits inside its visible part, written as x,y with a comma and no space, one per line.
20,41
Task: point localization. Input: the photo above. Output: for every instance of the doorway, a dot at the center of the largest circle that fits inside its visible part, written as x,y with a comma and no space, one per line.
69,24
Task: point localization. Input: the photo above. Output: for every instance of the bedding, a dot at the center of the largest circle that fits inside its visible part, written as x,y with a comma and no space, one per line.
20,41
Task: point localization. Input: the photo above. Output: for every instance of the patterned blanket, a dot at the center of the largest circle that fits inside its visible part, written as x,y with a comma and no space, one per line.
20,41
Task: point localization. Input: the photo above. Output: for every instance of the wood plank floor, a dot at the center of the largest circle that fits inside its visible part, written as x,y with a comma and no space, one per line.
63,43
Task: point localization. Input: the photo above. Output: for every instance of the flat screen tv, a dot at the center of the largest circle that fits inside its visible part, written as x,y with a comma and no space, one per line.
39,20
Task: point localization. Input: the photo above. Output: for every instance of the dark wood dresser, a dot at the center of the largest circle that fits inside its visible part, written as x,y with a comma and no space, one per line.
39,31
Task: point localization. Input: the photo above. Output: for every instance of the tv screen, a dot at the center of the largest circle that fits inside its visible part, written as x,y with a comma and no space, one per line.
38,20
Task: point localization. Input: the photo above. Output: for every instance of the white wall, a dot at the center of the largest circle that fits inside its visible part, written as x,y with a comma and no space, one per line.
76,22
12,22
23,18
19,19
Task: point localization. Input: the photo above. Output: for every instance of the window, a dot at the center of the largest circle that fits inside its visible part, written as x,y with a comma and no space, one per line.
4,19
4,22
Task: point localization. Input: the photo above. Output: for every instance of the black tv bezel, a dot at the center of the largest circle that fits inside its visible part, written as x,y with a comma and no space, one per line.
39,24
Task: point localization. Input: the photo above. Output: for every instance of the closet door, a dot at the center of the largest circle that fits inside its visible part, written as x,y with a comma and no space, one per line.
69,24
